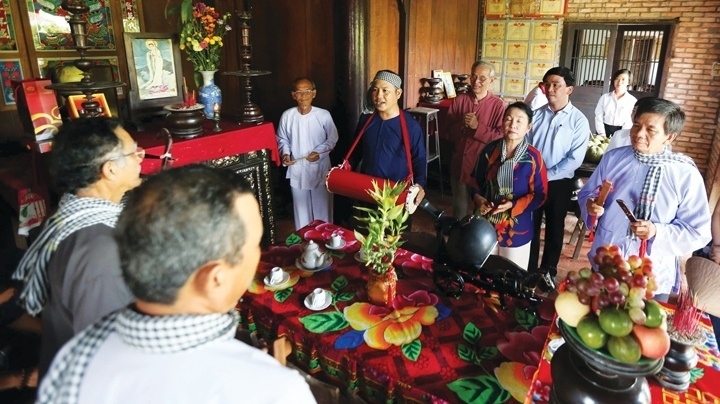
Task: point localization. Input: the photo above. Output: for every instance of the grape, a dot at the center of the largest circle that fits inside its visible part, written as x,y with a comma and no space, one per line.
592,290
625,276
639,280
571,287
573,276
582,285
636,293
637,315
585,273
584,298
616,297
596,279
624,289
611,284
603,300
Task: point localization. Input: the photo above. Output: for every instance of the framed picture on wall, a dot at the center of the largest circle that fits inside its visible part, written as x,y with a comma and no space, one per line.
155,73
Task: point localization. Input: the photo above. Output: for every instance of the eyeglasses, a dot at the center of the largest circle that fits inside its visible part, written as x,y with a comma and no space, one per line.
303,92
139,153
481,79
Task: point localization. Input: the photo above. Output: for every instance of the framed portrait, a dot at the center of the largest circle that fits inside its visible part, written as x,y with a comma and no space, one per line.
448,84
155,70
75,104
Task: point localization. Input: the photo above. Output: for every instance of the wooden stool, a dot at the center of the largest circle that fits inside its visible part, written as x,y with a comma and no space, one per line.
426,116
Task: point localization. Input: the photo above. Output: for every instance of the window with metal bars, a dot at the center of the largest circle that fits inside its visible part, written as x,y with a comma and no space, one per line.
594,51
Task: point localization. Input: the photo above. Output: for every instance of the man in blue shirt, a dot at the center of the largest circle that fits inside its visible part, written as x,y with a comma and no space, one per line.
561,132
383,147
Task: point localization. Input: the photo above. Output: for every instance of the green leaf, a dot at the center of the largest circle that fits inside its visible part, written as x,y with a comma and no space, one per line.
344,297
466,353
479,390
471,333
526,319
282,295
486,352
324,322
412,350
339,283
293,239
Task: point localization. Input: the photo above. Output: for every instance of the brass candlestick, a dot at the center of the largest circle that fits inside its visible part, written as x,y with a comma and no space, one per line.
249,111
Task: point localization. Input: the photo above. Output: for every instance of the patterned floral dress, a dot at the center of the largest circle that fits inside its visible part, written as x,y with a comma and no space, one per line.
529,191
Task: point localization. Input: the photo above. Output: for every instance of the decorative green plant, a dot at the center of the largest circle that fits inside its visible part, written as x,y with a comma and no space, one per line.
384,226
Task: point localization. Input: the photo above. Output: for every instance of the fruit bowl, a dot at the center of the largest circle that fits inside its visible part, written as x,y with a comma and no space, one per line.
603,361
611,313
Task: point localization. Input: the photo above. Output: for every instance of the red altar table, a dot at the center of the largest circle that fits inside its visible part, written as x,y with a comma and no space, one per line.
246,149
430,348
233,139
705,378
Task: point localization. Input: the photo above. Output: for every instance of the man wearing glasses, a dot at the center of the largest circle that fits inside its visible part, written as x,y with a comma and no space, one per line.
475,119
305,136
71,273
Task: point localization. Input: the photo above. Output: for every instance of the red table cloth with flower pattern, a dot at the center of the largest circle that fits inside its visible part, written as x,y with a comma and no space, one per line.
704,379
430,348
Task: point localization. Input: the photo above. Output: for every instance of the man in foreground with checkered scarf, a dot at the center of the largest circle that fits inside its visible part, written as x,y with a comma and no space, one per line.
664,190
71,273
189,241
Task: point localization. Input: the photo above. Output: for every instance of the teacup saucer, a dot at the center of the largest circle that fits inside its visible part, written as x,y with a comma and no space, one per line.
285,279
358,258
325,305
340,247
326,265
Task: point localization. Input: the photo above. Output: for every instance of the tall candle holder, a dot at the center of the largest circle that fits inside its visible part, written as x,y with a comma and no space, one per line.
78,10
249,111
216,117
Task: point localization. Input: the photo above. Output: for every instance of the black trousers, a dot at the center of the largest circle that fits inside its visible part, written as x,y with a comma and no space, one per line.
555,209
611,129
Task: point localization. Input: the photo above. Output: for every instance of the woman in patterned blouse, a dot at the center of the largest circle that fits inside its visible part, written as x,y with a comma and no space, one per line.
512,181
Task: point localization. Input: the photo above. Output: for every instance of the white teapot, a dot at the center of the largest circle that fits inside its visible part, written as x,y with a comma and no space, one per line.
312,257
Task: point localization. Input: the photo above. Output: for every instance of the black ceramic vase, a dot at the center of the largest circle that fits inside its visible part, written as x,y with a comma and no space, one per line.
584,375
679,361
185,122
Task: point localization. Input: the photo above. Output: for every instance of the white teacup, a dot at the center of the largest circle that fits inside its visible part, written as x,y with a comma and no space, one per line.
317,297
276,275
336,240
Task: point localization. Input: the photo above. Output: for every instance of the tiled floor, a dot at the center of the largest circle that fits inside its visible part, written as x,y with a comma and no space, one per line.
423,222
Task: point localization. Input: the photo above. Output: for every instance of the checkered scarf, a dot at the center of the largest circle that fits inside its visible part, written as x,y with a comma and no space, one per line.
505,175
646,204
153,334
72,215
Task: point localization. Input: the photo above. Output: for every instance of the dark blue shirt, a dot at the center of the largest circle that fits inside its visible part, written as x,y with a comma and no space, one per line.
383,149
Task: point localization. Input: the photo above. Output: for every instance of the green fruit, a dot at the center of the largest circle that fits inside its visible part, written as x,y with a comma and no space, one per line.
655,314
624,349
616,322
591,333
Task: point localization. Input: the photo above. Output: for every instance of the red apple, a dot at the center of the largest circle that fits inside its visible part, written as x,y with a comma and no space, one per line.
654,342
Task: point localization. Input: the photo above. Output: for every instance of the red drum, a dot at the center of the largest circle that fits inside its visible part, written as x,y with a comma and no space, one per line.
356,185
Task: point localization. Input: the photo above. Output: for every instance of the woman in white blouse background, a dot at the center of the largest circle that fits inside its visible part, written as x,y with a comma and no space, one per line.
614,109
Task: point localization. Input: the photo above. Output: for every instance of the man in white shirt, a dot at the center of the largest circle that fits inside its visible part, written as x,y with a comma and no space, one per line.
189,242
305,136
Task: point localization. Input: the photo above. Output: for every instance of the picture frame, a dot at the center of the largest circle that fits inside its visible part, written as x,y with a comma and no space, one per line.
448,84
74,104
155,73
